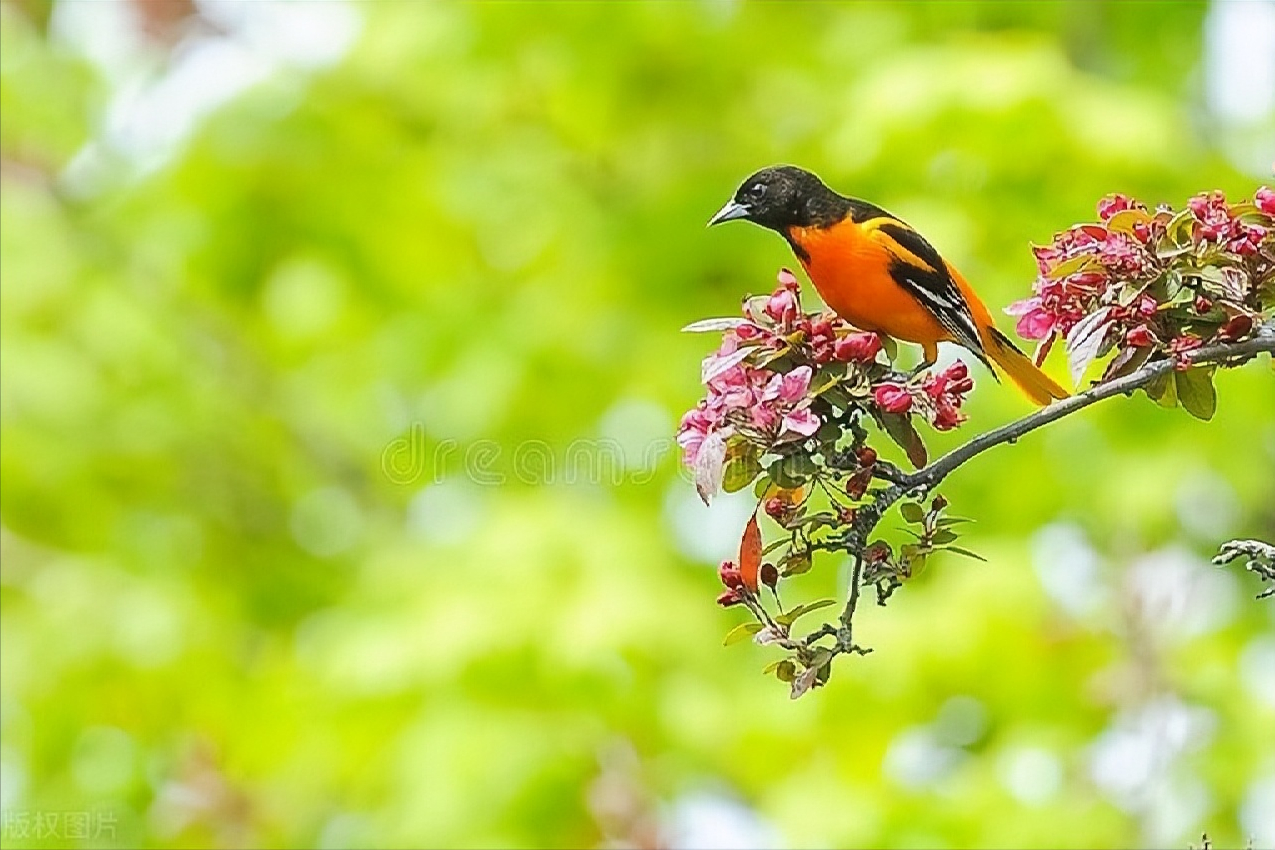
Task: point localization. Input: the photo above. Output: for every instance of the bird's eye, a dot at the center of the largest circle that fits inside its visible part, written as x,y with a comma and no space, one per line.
757,190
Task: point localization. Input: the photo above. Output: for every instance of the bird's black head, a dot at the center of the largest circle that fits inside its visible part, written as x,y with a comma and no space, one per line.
784,196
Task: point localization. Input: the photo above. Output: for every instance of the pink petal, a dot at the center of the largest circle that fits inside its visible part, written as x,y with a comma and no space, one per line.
1035,325
795,384
802,422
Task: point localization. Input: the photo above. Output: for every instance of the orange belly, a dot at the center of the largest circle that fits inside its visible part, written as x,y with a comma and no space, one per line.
851,274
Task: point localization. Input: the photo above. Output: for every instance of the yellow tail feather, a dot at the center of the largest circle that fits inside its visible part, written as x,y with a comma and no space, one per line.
1038,386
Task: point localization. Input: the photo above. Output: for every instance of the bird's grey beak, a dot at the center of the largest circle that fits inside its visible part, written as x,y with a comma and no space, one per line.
730,212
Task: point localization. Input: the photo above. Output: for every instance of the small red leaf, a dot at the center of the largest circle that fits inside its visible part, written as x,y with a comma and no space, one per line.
750,554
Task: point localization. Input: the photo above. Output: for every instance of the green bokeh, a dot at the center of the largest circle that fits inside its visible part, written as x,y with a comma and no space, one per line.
256,593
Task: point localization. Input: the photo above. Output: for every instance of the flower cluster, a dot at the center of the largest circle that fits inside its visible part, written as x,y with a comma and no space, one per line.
940,396
784,381
1152,283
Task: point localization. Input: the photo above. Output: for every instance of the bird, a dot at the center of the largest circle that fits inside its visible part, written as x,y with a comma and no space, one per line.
878,273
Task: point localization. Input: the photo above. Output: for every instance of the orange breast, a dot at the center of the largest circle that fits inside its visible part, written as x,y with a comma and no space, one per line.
851,273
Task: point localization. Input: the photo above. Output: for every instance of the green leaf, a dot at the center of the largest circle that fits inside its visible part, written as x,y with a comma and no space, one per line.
966,552
891,347
796,564
775,544
1079,263
740,472
951,520
1160,389
1123,221
741,632
829,432
943,535
912,512
825,385
790,617
1196,392
1178,231
785,671
1128,361
792,471
762,485
899,428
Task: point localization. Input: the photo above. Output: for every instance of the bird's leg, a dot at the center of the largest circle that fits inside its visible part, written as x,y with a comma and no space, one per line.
929,356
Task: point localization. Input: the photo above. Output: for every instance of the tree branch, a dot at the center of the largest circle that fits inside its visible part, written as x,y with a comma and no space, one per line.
1260,560
930,476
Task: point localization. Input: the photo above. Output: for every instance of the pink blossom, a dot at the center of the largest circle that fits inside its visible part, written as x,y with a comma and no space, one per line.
946,391
1115,203
788,280
1213,219
946,415
1122,255
1265,200
857,347
782,307
1034,321
892,398
693,430
1247,239
789,387
801,421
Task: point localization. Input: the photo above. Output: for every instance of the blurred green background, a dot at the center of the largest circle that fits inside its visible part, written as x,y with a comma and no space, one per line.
338,371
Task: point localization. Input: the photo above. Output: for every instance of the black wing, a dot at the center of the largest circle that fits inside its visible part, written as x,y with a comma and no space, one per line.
920,270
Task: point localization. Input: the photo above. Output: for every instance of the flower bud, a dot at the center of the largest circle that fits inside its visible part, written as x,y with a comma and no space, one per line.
728,598
1265,200
1237,328
857,347
769,575
1202,304
866,456
892,398
847,515
788,280
1184,343
858,483
782,307
775,507
730,575
1140,336
938,503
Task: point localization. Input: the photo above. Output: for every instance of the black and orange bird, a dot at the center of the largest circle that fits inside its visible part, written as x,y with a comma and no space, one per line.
878,273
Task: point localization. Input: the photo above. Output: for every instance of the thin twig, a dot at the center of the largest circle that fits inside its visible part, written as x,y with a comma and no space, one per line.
930,476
